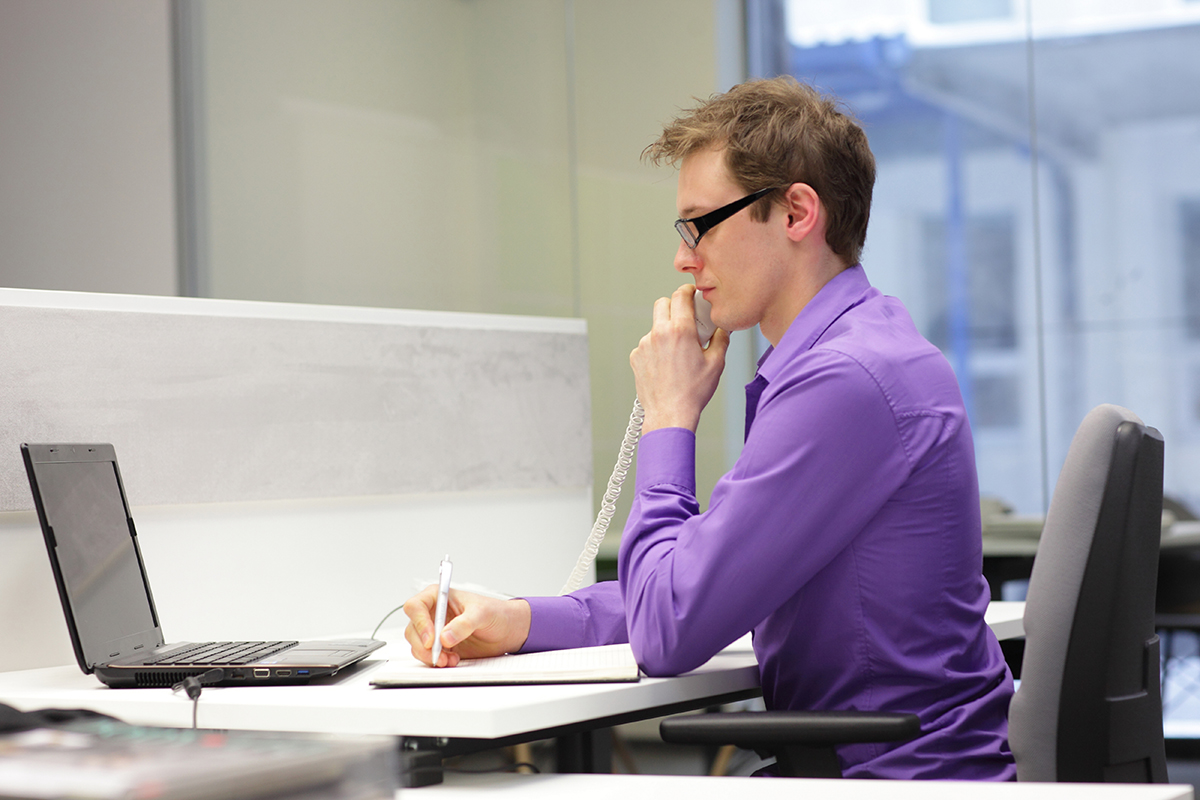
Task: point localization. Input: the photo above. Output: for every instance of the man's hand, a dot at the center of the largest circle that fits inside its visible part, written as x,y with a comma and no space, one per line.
476,626
675,377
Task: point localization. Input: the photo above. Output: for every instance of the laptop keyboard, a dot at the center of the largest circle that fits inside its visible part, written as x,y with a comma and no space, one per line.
220,653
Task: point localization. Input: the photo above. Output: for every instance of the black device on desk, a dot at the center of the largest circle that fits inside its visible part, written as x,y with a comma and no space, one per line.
106,596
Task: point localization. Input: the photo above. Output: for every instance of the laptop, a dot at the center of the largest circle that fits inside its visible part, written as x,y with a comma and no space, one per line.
106,596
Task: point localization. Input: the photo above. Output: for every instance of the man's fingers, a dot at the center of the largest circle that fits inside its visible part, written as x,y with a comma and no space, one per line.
460,628
682,304
662,311
421,652
419,610
677,308
719,341
413,636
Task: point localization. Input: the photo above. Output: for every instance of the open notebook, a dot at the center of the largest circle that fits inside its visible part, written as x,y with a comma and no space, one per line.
608,663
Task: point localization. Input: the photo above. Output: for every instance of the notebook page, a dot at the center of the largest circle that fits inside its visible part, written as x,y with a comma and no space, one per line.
578,665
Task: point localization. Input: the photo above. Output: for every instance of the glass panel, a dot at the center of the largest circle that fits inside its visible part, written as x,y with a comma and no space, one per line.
1077,288
942,12
403,154
1118,127
991,284
1189,231
997,401
627,240
952,227
456,156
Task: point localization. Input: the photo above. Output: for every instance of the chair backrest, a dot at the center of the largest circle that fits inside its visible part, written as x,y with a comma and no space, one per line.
1089,707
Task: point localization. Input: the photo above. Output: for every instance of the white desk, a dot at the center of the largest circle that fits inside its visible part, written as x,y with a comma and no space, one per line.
632,787
1006,619
347,704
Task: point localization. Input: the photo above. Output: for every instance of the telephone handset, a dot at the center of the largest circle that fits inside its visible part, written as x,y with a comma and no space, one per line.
608,506
704,324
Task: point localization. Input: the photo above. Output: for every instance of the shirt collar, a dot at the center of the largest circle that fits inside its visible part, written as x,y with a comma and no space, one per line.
846,290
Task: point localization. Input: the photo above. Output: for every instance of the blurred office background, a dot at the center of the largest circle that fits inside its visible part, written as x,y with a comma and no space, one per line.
464,155
1037,207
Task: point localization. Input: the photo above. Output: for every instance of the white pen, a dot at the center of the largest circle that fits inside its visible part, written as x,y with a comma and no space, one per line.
439,619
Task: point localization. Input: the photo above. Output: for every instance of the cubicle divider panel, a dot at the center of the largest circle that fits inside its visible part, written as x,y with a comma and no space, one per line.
341,448
208,407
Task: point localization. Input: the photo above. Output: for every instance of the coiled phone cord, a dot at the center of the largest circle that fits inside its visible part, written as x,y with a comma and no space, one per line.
608,506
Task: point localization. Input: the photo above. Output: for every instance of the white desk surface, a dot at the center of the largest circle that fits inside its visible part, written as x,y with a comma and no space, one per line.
348,704
630,787
1006,619
994,546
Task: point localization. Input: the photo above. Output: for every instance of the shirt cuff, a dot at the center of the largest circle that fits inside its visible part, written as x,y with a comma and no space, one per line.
667,455
587,617
553,622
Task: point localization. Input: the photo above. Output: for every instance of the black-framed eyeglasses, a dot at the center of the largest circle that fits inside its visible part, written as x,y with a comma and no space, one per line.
693,229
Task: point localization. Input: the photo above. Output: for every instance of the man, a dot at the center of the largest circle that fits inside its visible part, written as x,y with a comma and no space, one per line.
847,535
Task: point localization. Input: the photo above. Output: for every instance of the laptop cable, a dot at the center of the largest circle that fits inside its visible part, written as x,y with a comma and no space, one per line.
194,685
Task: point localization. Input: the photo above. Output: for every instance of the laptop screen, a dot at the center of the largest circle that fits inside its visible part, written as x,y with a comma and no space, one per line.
96,554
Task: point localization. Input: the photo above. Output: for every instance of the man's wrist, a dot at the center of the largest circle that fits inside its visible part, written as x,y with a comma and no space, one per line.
518,620
655,420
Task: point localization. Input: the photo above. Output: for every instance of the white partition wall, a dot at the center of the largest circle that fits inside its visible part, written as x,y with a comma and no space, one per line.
296,470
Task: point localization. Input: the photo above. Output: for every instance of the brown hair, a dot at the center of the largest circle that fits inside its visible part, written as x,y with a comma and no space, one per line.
778,132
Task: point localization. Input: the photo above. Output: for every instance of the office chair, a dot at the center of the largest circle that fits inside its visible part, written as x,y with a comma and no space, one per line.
1089,706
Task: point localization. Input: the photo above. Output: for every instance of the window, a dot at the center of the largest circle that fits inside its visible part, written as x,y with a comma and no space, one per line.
948,12
1066,281
997,401
1189,225
989,318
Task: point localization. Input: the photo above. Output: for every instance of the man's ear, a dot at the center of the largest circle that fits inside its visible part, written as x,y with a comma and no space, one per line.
803,209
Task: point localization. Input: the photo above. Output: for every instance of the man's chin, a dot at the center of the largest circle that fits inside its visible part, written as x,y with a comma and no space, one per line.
729,325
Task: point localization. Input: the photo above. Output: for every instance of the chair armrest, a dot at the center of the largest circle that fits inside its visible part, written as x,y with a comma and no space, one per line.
767,729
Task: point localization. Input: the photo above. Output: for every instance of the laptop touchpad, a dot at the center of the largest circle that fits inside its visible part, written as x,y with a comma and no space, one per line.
310,655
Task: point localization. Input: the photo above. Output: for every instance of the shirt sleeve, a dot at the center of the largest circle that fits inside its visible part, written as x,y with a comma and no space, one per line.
588,617
823,456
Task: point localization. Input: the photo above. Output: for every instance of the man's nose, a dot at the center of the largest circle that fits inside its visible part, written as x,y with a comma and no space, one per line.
686,259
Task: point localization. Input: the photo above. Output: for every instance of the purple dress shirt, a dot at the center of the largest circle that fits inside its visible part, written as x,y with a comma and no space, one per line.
847,537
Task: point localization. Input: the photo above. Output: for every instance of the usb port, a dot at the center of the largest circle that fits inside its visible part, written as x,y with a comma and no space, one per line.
301,672
262,673
283,673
